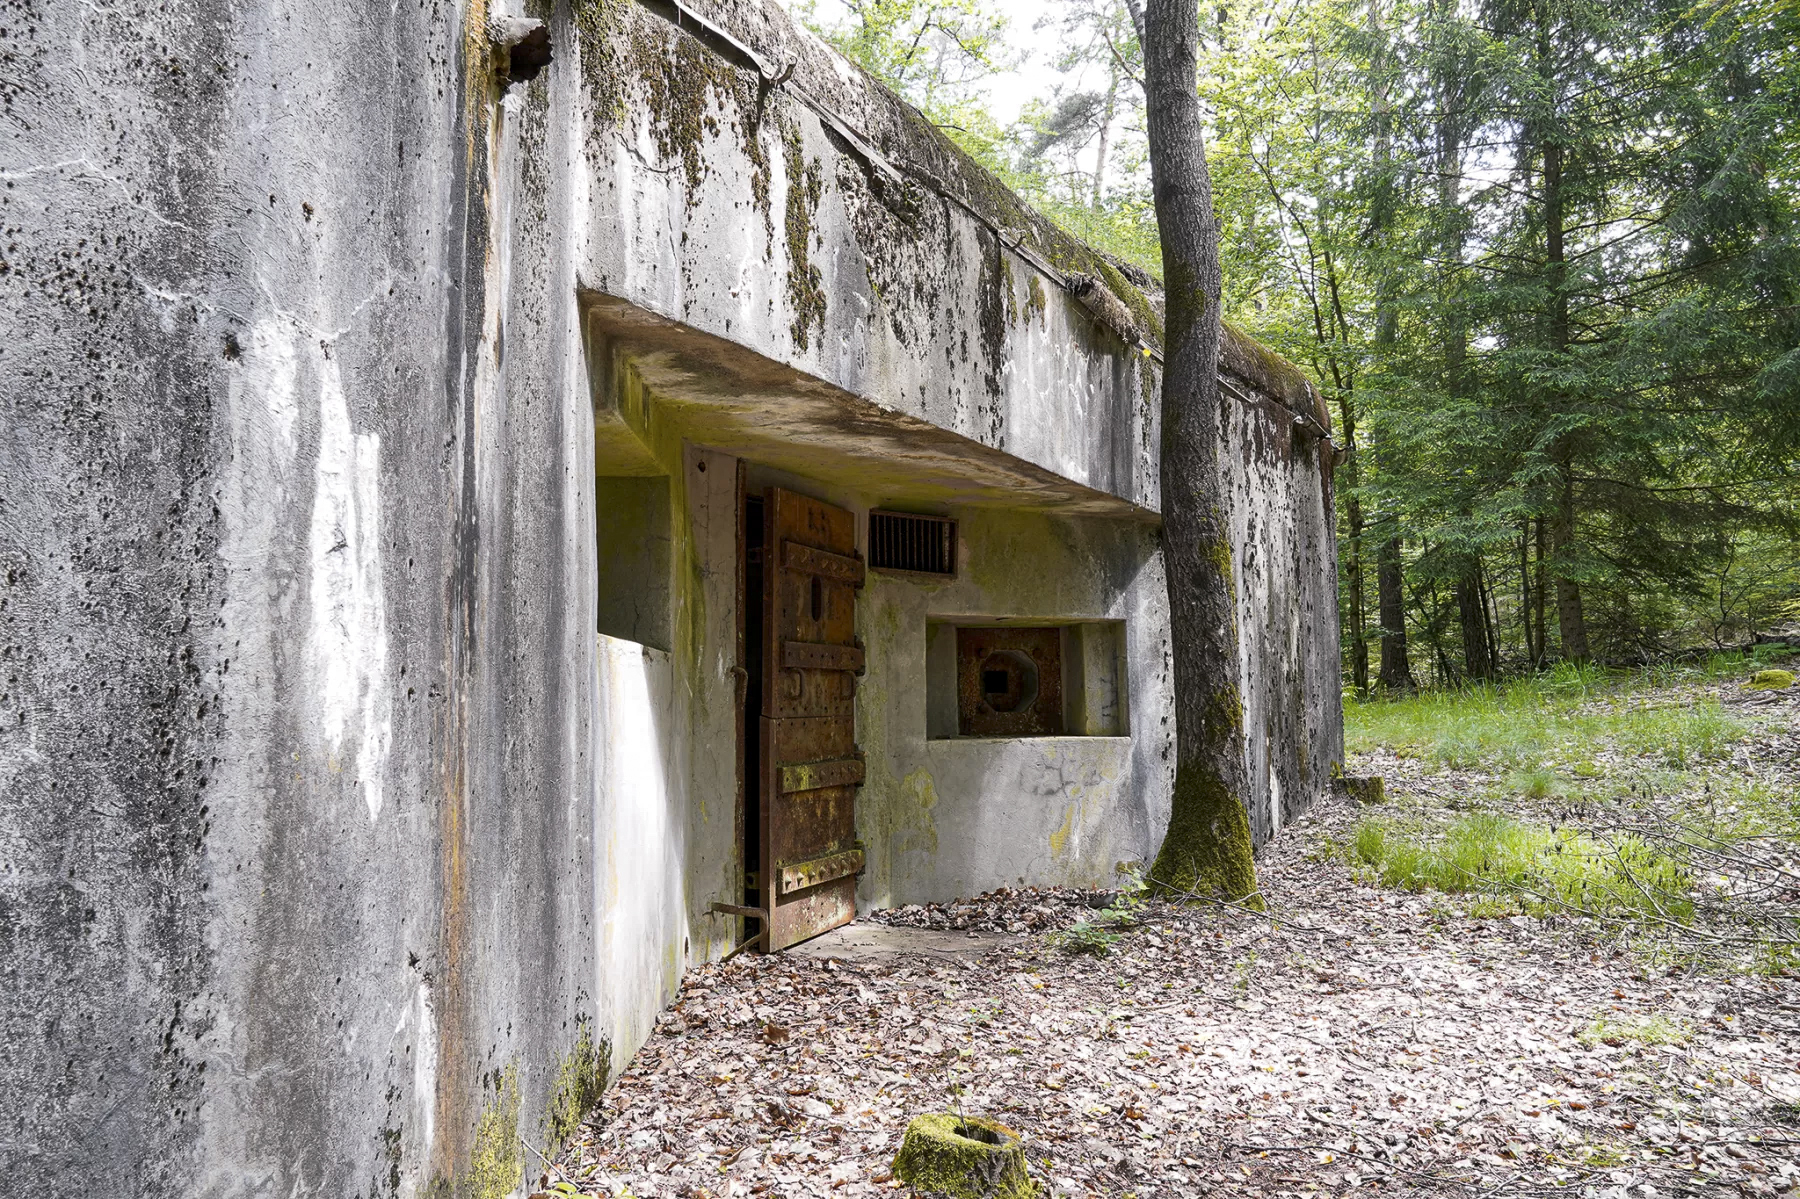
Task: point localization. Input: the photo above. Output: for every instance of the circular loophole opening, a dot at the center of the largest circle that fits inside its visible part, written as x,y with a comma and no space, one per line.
1009,681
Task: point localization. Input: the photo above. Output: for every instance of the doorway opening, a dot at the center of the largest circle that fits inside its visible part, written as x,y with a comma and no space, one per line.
798,666
750,637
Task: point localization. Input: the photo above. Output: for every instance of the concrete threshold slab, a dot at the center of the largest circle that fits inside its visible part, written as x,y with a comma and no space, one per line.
869,942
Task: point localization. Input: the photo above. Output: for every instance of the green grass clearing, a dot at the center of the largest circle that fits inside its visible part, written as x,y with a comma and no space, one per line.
1539,727
1541,869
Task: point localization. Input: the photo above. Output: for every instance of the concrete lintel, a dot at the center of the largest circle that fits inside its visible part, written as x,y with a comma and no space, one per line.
723,395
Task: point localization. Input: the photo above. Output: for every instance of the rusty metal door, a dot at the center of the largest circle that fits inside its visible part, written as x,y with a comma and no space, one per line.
811,766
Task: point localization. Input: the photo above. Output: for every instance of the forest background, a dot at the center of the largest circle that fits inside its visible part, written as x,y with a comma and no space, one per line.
1542,257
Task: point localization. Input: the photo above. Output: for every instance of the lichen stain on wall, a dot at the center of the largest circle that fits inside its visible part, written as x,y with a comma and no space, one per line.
1059,840
916,831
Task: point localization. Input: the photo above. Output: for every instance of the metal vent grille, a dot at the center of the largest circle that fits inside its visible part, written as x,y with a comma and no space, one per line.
906,541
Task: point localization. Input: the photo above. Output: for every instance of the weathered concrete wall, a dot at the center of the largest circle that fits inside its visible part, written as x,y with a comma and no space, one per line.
337,851
744,214
1285,547
296,626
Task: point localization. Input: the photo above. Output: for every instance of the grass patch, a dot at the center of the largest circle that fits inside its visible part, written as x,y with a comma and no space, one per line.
1556,722
1542,869
1536,783
1653,1030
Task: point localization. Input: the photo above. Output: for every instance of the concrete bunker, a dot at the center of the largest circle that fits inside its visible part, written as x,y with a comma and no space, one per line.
381,676
956,566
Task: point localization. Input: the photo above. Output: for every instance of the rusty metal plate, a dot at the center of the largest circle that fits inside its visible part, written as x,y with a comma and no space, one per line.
840,568
798,876
807,655
1009,682
815,776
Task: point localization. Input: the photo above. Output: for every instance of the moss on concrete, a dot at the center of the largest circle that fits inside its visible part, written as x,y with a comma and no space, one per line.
965,1157
1034,299
806,286
1249,359
495,1162
580,1081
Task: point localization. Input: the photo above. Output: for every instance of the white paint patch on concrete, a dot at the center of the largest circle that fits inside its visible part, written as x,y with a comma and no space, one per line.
348,637
425,1063
1274,797
641,826
275,366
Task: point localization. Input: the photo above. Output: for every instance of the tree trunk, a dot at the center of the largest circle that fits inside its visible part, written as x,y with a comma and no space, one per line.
1390,583
1541,590
1434,629
1571,625
1490,623
1207,848
1351,470
1531,652
1387,324
1106,120
1472,617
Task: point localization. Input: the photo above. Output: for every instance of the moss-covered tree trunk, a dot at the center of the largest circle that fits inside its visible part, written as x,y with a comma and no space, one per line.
1207,848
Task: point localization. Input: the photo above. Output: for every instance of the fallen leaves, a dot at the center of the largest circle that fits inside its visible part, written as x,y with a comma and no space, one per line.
1355,1040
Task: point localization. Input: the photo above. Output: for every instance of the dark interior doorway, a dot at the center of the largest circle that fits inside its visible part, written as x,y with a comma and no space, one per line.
750,613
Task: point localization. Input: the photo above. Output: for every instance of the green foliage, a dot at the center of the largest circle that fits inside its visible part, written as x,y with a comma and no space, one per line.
1091,938
1541,260
932,52
1096,936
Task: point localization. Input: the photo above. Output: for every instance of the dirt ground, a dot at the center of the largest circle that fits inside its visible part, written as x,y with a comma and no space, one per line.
1359,1040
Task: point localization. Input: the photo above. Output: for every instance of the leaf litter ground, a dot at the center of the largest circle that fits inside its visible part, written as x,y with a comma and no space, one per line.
1357,1040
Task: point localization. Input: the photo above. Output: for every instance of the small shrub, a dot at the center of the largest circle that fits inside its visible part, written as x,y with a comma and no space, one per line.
1085,938
1242,972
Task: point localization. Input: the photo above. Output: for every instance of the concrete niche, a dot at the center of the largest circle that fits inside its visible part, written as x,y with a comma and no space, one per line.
1005,680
